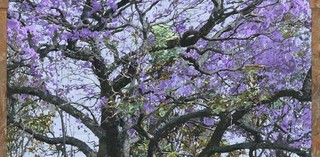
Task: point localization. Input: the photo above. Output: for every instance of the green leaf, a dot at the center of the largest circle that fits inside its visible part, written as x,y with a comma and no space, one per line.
163,34
162,112
135,106
277,104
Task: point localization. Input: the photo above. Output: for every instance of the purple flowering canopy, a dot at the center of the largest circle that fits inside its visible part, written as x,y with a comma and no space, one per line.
122,78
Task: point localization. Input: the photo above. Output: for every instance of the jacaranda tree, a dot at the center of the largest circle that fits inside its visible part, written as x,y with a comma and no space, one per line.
159,78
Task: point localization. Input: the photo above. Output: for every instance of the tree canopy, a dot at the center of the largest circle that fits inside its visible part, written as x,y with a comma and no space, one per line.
122,78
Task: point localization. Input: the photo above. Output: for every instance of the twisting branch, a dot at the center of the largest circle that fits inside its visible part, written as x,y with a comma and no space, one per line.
100,26
62,104
82,146
226,121
174,122
254,145
198,65
191,37
161,132
252,131
299,95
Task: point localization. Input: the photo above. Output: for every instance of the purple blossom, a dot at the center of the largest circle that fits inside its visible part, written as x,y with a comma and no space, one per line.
148,108
112,4
78,120
132,133
13,24
30,54
95,6
87,64
180,28
208,121
85,33
101,103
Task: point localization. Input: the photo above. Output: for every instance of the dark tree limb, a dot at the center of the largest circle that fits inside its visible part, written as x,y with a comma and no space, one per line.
226,121
191,37
254,145
62,104
161,132
252,131
307,83
82,146
288,93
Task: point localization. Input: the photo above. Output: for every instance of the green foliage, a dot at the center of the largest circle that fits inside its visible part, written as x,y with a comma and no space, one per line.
162,112
140,149
163,34
39,121
133,107
277,104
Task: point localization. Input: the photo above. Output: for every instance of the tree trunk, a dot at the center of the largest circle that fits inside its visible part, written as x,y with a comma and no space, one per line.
115,143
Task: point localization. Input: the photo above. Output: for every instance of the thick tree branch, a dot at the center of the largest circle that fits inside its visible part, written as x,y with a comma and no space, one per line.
108,14
174,123
254,145
252,131
198,65
226,121
299,95
191,37
122,80
307,84
82,146
62,104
